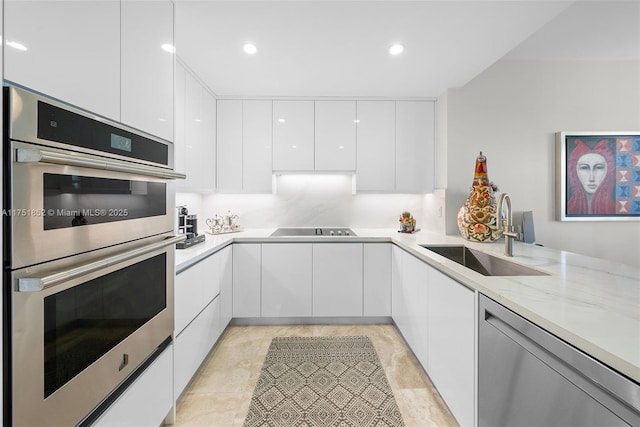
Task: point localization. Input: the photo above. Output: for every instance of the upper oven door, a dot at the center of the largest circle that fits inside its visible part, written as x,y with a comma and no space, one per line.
65,203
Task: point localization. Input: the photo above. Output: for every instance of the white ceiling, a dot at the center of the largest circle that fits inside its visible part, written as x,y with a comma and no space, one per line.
339,48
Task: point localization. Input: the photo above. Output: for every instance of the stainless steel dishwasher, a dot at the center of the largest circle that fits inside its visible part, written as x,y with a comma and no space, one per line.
530,378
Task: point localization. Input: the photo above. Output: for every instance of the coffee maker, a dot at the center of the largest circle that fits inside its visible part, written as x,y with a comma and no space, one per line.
188,225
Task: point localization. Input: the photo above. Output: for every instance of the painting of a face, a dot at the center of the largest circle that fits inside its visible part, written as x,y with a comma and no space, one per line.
591,169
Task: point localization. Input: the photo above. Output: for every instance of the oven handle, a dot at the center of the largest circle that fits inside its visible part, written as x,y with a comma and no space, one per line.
26,155
35,284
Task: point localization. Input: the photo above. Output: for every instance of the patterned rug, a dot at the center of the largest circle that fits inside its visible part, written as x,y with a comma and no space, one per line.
322,382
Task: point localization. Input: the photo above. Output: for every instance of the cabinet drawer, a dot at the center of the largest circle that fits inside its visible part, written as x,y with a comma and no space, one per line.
193,345
195,287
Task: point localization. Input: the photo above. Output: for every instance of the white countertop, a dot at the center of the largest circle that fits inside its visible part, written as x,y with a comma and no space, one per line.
591,303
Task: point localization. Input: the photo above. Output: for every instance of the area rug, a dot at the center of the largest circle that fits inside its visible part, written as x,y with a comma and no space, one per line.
322,382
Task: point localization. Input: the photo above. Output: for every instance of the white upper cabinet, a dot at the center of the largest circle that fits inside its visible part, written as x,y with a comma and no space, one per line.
229,145
102,56
69,50
195,149
415,146
180,104
335,135
257,146
375,169
147,69
244,146
206,156
293,135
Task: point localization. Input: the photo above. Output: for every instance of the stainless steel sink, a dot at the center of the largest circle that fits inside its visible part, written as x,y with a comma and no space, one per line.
481,262
301,231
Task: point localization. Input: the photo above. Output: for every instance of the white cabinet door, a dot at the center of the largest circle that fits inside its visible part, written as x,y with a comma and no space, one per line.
293,135
247,261
72,51
193,345
226,285
147,69
415,146
376,169
257,128
148,400
377,279
180,161
409,300
286,279
399,308
207,158
198,145
193,130
195,287
335,135
451,348
337,279
229,145
415,281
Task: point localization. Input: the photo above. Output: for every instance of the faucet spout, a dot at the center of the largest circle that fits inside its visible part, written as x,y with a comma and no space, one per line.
507,224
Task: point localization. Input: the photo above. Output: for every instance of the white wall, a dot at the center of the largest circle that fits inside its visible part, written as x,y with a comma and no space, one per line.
511,112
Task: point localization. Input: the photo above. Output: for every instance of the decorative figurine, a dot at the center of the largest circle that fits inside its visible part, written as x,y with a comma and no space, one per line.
478,218
407,223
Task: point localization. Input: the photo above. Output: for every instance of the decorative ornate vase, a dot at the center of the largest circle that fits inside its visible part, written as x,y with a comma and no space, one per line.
478,217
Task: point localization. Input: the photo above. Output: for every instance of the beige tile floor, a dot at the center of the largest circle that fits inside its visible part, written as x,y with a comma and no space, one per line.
220,393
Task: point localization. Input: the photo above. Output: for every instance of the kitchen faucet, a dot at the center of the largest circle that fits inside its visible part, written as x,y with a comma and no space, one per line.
507,224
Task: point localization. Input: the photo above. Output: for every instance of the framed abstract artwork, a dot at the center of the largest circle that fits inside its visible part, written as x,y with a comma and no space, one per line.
598,176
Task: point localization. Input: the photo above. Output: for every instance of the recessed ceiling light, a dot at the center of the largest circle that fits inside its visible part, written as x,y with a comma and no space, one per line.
167,47
396,49
281,120
16,45
250,48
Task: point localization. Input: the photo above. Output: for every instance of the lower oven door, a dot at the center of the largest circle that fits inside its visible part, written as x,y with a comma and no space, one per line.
80,329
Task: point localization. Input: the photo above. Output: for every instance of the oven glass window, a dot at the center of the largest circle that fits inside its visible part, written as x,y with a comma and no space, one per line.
73,200
84,322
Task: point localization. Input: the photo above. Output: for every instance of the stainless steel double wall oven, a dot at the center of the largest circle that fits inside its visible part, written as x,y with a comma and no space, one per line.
88,258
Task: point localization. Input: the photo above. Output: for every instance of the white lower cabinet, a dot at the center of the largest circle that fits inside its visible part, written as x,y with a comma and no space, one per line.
202,296
195,287
226,285
194,343
451,356
436,315
148,400
286,280
377,279
337,279
415,281
247,260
